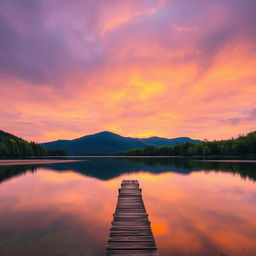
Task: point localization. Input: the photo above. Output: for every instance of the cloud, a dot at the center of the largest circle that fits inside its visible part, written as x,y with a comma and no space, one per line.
249,117
42,44
168,68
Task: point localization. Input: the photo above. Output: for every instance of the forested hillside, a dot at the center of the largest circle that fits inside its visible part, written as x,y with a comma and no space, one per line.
109,143
243,145
12,146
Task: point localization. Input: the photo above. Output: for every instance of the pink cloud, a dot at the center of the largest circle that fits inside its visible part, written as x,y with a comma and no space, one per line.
164,68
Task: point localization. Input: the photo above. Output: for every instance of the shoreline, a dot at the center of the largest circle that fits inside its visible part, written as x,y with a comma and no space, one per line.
229,161
31,162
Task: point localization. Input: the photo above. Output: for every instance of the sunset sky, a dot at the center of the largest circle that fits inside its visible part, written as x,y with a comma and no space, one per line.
139,68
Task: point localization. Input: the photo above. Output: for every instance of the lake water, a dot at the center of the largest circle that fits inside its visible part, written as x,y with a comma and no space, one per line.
196,208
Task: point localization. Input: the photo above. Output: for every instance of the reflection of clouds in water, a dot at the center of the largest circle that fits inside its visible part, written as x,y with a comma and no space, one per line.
202,217
58,206
68,212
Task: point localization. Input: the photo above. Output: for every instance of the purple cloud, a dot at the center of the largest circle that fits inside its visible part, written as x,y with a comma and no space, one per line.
46,42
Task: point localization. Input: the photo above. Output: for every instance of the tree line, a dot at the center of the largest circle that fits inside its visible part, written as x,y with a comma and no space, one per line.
12,146
243,145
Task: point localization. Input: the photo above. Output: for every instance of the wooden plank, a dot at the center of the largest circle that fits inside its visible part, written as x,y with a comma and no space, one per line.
131,238
130,233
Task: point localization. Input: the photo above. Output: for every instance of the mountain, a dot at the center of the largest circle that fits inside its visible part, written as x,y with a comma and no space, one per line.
102,143
108,143
158,141
12,146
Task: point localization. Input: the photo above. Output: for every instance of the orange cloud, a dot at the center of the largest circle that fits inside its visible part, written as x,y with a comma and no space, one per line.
132,68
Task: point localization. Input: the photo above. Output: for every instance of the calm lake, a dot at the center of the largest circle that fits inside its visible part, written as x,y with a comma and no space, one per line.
196,208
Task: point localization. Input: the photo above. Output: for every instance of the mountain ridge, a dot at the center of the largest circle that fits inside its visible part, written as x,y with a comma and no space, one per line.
109,143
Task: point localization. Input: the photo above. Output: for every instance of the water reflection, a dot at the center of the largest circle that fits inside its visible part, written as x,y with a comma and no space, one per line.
50,213
109,168
66,209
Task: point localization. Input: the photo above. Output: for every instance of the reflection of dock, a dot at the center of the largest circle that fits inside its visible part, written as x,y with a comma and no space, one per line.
131,233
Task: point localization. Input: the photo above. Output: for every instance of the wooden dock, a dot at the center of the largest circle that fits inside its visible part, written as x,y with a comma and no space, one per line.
131,233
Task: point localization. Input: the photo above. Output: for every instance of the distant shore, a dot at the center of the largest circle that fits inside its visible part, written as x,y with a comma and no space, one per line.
34,161
229,161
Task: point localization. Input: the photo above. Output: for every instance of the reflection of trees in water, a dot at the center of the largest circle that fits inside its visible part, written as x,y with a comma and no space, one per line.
8,172
109,168
245,170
